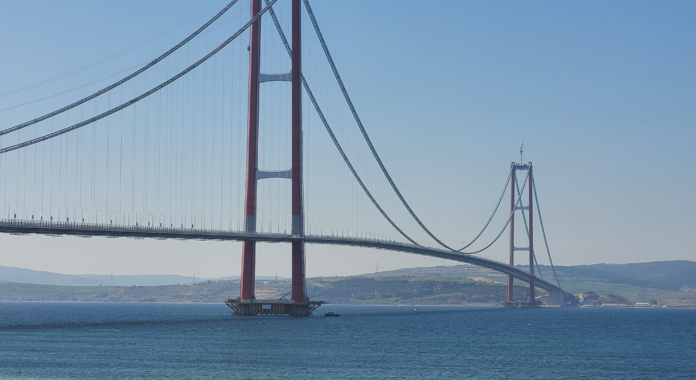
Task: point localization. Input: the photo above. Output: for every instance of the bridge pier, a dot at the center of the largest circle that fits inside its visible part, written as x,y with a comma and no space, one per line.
250,308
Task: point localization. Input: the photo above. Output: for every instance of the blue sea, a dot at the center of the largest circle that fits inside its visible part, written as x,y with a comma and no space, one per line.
205,341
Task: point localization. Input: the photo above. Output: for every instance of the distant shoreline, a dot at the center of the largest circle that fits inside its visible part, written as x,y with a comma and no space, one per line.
222,303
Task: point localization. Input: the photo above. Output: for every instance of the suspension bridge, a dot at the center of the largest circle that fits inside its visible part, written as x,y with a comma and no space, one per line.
160,154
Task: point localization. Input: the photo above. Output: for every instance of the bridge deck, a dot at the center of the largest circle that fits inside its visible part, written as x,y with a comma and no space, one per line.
53,228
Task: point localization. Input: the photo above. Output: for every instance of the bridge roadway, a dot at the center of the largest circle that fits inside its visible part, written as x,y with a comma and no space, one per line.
53,228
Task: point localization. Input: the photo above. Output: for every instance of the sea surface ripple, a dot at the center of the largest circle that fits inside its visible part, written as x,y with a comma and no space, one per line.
44,340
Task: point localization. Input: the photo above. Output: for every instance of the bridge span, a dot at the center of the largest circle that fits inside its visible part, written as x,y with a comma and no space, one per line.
88,230
174,155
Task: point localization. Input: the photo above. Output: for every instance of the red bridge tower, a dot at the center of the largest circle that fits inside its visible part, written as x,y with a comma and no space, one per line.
247,304
514,190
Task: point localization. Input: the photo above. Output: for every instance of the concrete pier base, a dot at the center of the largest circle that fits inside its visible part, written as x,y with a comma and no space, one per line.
272,307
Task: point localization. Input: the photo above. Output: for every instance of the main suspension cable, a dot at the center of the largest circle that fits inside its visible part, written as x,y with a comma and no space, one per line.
122,81
310,94
371,146
543,232
362,128
495,210
93,64
70,90
142,96
519,199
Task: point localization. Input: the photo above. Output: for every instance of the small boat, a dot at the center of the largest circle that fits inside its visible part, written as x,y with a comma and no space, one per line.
332,314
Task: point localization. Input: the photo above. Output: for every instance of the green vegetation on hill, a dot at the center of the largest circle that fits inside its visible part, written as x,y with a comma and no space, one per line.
422,290
460,284
199,292
672,275
35,292
337,290
629,279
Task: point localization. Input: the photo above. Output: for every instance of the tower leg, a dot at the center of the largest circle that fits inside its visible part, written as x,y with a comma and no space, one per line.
299,291
248,270
249,247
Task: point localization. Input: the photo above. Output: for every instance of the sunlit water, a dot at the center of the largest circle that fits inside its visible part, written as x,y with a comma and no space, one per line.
202,341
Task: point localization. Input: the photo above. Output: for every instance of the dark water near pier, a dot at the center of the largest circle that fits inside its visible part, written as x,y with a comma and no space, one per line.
192,341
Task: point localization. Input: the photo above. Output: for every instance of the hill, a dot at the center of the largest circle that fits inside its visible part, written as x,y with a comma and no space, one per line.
420,290
672,281
29,276
667,275
661,276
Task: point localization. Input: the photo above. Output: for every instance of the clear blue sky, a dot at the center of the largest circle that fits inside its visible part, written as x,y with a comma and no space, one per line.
602,93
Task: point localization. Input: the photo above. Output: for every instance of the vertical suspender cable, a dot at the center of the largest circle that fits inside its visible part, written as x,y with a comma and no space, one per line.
182,156
310,94
36,170
362,128
79,156
195,154
92,179
24,186
133,155
169,161
120,168
147,158
67,183
144,95
107,215
43,179
364,132
222,141
157,160
4,183
16,211
122,81
50,189
211,216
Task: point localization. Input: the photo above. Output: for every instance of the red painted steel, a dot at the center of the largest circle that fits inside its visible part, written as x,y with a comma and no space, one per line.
299,290
249,247
532,299
512,232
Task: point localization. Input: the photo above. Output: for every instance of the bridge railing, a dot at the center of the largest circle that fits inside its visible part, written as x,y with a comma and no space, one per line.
53,227
21,226
58,228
